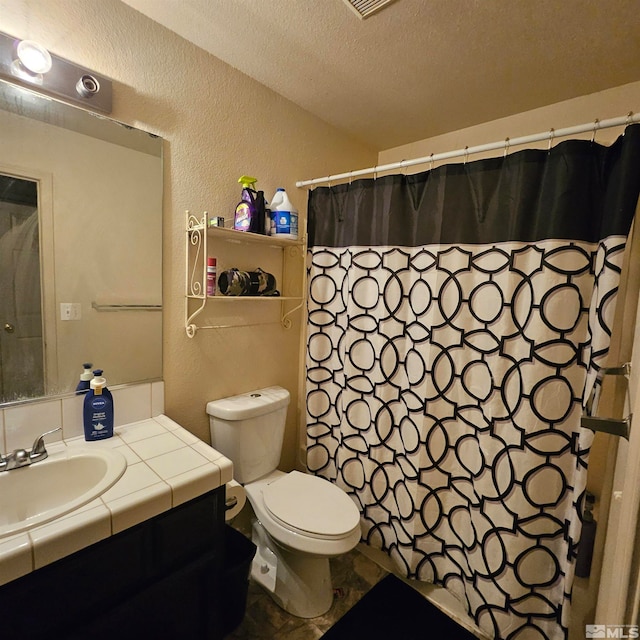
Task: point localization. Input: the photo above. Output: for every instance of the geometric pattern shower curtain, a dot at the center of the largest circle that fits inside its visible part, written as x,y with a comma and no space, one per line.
457,322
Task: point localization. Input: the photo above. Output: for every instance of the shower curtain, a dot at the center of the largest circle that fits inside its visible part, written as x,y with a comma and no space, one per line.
457,320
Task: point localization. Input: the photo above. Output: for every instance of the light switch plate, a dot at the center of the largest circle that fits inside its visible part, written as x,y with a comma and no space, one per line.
70,311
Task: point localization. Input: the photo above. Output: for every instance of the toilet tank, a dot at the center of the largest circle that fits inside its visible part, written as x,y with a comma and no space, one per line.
249,430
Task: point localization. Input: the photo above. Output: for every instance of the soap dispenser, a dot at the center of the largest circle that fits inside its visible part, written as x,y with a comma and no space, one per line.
98,409
85,378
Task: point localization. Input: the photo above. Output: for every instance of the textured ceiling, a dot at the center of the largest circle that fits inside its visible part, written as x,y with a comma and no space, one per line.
417,68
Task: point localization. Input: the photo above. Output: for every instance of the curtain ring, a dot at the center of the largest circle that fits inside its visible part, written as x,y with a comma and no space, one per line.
431,162
629,116
552,133
506,147
350,177
466,154
402,167
596,123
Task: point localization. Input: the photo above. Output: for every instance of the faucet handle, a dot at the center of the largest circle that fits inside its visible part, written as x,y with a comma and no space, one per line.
38,448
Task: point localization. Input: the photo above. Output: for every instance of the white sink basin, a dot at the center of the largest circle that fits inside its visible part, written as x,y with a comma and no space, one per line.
66,480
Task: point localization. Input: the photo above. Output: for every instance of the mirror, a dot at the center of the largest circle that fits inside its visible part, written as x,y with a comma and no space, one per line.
80,248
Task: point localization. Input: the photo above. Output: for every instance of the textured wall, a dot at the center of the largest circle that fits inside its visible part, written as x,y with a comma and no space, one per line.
602,105
217,124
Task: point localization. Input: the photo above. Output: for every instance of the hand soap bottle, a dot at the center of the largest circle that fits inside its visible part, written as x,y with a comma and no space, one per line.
98,409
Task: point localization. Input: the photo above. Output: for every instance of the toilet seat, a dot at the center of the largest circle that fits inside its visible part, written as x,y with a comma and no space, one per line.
311,506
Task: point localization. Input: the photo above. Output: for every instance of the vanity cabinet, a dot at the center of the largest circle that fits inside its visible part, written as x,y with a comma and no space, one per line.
241,249
162,578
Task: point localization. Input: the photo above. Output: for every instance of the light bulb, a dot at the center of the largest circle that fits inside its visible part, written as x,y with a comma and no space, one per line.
34,56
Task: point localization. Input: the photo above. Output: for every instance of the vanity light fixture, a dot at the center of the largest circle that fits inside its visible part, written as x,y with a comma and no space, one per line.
28,64
31,62
34,56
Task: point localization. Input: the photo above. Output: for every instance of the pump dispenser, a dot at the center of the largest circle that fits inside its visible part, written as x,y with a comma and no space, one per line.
98,409
97,373
85,378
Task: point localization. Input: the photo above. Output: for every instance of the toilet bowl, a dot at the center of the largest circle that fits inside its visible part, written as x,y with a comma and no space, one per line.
301,520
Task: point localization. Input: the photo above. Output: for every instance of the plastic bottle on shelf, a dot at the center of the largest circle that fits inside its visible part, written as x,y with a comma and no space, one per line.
250,211
284,216
266,225
211,276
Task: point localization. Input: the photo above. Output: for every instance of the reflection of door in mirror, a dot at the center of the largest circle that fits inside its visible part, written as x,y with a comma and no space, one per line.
102,250
21,343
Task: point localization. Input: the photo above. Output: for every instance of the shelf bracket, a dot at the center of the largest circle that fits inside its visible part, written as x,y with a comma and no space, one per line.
285,320
189,326
196,237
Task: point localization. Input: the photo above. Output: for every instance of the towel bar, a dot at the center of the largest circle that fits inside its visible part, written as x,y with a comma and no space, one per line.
126,307
614,426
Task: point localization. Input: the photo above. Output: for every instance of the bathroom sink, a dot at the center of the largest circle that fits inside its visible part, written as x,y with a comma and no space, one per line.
66,480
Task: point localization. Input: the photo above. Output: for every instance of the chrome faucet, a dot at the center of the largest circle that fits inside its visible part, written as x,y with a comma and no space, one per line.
22,458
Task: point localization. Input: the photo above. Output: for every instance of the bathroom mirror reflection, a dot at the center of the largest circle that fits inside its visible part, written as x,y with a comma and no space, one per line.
80,248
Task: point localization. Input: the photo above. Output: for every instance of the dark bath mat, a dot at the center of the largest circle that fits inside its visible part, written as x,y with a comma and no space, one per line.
392,609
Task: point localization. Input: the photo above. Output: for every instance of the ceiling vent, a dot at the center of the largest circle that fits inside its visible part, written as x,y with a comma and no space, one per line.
365,8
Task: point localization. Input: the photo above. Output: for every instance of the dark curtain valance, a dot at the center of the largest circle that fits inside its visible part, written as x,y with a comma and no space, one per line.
512,198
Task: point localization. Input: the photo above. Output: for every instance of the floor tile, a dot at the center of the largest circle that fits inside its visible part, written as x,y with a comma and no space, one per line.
353,575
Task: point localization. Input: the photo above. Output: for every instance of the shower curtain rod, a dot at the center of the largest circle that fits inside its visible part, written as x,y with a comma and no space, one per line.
492,146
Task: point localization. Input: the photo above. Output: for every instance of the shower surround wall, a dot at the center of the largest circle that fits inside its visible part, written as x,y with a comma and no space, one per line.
457,320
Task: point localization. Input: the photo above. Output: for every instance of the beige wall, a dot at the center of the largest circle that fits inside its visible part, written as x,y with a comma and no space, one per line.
218,124
603,105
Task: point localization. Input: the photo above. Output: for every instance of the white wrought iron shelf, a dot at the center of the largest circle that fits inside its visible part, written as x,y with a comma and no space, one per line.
221,298
243,237
198,236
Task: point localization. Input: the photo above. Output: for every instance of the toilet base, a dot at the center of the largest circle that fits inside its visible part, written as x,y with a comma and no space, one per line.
297,582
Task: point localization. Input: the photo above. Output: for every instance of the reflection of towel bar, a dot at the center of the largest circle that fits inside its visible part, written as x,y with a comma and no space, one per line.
126,307
614,426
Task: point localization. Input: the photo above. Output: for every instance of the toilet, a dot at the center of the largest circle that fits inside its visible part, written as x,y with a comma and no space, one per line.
301,520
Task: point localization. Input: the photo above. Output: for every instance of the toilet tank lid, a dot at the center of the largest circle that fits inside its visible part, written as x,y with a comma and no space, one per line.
250,404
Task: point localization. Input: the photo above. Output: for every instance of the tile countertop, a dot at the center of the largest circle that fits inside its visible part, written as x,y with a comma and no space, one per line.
166,466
